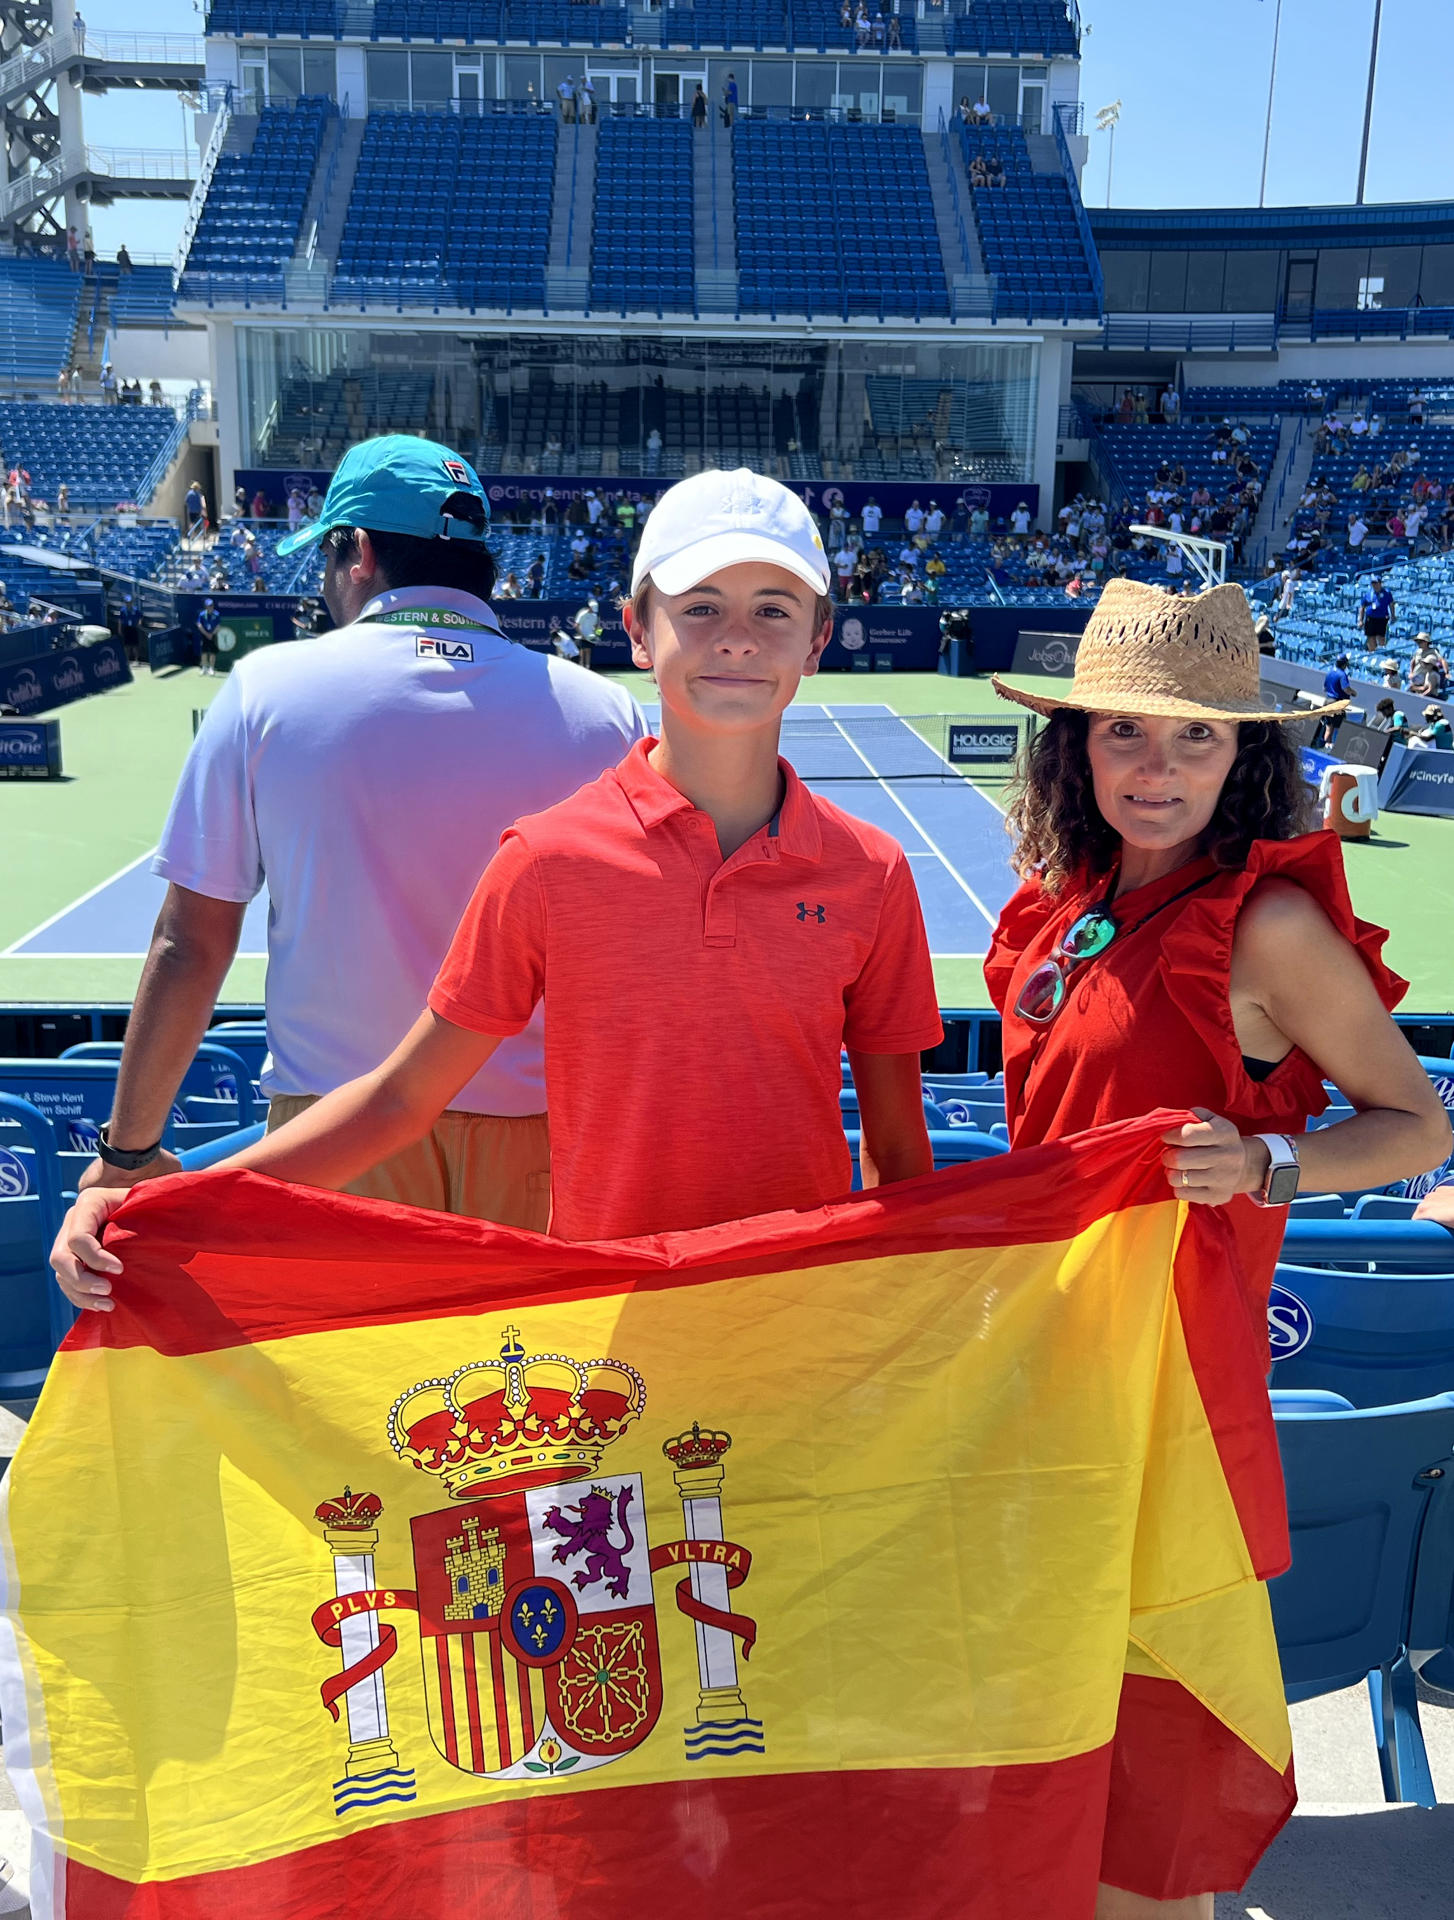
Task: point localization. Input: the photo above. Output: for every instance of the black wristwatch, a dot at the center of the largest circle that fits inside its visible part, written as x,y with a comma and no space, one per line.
119,1157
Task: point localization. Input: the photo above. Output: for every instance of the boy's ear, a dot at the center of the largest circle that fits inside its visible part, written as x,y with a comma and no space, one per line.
815,652
636,634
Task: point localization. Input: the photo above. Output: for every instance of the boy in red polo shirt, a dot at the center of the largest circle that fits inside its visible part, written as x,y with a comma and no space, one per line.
733,932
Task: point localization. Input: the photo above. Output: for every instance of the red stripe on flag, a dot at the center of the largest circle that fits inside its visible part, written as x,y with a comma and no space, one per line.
978,1843
1192,1808
502,1718
286,1244
527,1708
446,1699
1227,1346
472,1702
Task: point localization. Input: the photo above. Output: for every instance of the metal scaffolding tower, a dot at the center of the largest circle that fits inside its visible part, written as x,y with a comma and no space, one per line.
51,175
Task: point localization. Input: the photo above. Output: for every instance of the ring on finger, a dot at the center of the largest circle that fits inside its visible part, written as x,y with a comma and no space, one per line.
1185,1178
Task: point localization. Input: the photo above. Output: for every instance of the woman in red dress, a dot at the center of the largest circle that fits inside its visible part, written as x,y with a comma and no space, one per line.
1179,940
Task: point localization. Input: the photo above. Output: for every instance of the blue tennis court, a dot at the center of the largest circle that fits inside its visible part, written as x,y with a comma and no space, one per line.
866,759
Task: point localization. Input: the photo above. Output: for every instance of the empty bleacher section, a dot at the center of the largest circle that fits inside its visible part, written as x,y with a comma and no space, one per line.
835,220
289,18
103,454
39,301
642,243
476,21
254,206
1029,231
1015,26
142,297
1044,27
450,211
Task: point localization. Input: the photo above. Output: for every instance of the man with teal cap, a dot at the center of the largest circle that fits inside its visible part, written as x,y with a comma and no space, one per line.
365,776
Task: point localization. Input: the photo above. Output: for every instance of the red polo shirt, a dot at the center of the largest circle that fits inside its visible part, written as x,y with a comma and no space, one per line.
695,1006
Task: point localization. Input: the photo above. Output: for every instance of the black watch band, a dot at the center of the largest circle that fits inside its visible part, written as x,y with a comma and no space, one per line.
119,1157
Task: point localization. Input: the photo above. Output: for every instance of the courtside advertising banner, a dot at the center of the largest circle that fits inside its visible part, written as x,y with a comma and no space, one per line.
57,678
372,1560
1417,780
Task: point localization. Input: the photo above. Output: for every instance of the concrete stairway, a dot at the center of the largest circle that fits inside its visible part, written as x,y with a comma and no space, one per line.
568,258
969,288
1273,526
714,218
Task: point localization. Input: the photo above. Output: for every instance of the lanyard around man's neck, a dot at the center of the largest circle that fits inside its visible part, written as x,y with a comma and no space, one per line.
429,617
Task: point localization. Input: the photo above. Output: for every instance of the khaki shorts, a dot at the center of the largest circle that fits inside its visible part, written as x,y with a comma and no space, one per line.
486,1166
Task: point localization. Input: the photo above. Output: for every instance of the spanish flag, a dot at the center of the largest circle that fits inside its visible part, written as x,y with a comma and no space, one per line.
369,1560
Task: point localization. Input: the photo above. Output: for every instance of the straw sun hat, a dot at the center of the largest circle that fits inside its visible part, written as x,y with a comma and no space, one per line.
1148,651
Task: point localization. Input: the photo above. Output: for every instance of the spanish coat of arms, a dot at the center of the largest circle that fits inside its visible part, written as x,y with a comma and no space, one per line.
533,1587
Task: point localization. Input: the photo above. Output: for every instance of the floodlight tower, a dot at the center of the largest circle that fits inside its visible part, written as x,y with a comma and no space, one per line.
1107,120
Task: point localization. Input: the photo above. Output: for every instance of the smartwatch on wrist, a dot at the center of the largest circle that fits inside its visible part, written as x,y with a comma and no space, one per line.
128,1162
1280,1182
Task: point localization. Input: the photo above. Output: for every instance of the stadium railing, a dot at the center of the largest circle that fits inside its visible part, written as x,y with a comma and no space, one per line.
1368,1493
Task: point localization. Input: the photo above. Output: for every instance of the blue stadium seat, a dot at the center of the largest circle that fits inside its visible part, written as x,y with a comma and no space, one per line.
1366,1490
1029,230
447,210
255,202
103,454
1375,1338
814,204
643,262
39,304
34,1314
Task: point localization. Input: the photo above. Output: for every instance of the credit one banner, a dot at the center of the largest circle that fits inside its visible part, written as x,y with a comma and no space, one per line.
30,749
69,673
1417,780
785,1567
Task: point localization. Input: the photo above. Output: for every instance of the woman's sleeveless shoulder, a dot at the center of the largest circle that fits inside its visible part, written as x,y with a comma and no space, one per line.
1196,948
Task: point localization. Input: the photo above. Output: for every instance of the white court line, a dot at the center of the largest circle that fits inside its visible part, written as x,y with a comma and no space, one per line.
70,907
992,919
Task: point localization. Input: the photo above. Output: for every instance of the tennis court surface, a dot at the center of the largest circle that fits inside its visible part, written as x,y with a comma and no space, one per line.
891,771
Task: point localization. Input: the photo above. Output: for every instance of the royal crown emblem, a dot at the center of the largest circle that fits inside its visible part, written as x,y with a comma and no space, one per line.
496,1426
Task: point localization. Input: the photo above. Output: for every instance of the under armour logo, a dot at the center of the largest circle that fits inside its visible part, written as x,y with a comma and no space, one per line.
805,912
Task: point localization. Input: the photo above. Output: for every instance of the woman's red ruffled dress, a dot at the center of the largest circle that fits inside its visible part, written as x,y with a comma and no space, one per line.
1148,1025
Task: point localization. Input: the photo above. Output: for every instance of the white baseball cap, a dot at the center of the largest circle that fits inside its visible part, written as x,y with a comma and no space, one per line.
717,520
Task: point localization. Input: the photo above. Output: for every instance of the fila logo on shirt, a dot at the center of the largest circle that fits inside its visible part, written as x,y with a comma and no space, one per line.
805,912
428,648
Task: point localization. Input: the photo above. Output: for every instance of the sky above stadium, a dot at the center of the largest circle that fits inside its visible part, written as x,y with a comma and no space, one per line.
1192,82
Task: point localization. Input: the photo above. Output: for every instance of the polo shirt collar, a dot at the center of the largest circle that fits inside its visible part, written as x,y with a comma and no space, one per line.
401,599
794,829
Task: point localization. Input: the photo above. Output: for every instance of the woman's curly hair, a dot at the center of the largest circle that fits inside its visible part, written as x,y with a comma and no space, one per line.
1059,830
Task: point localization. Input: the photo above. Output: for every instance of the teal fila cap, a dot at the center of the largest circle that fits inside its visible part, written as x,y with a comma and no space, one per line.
400,484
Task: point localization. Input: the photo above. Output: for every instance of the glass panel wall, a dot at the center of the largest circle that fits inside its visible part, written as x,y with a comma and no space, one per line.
1173,280
536,404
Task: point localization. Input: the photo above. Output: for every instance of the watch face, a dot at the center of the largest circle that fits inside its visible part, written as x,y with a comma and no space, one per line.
1282,1185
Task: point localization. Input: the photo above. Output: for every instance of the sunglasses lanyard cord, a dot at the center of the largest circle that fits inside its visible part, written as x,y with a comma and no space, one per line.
1124,933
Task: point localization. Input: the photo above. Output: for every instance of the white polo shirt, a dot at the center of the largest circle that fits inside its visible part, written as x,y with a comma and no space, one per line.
366,777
